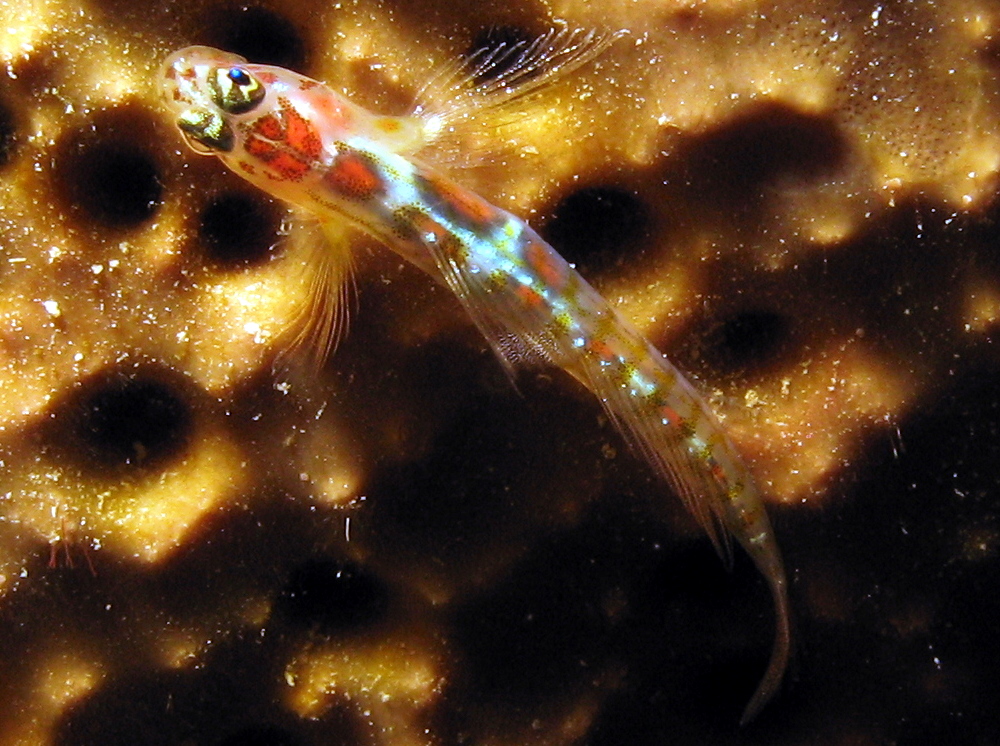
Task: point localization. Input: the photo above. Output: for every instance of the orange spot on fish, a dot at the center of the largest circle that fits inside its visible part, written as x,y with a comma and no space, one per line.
270,127
389,125
352,176
670,415
529,296
289,167
551,271
260,149
601,349
467,205
301,135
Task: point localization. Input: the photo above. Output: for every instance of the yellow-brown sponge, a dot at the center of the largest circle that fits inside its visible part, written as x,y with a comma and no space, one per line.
205,538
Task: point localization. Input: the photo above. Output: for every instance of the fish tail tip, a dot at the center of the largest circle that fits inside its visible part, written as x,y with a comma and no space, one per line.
756,704
774,675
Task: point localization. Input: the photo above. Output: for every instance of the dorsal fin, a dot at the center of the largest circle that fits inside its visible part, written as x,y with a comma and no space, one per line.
487,88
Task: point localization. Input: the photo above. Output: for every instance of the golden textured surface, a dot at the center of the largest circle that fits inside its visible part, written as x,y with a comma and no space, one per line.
204,542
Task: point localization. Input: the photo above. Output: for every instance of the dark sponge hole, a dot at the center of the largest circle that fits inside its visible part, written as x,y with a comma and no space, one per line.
259,34
507,45
262,735
133,419
117,184
741,158
107,173
332,597
597,225
239,229
749,338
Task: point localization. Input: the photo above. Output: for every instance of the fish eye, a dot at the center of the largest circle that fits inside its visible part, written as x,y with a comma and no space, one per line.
207,131
235,90
239,76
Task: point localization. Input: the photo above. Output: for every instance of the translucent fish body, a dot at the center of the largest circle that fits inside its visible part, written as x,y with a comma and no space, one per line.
303,143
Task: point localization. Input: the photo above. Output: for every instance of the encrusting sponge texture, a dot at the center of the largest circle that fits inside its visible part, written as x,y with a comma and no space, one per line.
206,539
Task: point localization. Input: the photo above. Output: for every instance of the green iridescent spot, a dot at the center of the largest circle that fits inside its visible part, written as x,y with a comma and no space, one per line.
497,280
207,131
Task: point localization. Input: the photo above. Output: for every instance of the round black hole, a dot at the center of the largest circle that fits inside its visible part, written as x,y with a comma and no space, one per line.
107,172
239,229
130,419
332,596
259,34
116,184
741,158
500,48
595,226
261,735
750,337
